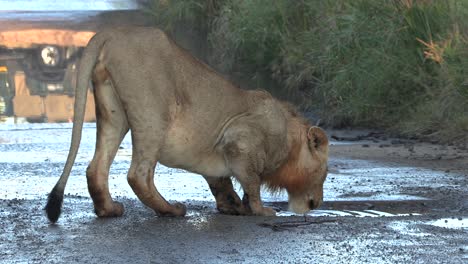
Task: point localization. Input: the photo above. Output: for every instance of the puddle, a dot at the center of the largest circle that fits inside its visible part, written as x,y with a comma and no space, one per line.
353,213
197,219
79,215
347,143
407,228
360,180
173,186
452,223
382,197
20,157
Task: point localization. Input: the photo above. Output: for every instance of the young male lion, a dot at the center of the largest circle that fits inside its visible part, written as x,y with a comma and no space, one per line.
184,115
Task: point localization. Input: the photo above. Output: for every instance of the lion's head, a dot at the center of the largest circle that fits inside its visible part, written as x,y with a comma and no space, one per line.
305,169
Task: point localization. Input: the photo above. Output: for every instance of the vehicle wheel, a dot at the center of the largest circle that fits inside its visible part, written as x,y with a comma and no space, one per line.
50,56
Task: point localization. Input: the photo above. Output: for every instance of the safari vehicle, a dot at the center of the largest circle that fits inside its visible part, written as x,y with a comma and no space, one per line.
37,73
39,55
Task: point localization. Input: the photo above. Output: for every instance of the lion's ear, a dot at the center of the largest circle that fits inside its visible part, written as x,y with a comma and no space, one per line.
317,137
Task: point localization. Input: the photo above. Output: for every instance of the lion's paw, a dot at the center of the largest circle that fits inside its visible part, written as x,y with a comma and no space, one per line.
266,211
178,209
116,210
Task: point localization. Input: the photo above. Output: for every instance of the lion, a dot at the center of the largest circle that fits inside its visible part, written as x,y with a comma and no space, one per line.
183,114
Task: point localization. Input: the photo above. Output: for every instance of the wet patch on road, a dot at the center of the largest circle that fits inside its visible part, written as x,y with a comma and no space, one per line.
363,208
451,223
354,188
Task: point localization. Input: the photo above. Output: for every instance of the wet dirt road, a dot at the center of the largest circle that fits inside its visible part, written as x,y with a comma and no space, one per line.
386,201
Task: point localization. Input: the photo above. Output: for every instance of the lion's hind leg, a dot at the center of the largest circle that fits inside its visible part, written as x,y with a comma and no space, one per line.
111,128
141,175
227,200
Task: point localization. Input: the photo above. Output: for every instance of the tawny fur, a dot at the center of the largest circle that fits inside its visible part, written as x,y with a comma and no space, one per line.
289,175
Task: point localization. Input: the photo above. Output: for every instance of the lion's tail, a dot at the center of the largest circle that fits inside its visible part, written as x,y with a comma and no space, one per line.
87,63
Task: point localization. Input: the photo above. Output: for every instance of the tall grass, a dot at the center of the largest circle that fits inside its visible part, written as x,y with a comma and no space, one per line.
401,65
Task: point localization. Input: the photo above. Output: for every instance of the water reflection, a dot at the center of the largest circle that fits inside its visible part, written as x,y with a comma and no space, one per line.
453,223
197,219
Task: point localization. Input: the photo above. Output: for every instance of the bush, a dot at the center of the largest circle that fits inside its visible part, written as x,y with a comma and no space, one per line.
400,65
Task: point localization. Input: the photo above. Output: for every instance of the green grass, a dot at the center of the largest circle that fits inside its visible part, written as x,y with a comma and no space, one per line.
401,65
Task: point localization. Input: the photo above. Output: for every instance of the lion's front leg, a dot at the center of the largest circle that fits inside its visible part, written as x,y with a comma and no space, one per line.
251,186
246,161
227,200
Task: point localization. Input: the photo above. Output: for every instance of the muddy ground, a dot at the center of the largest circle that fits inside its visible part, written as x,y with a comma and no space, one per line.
386,201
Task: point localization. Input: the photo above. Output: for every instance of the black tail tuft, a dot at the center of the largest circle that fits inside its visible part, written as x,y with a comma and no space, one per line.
54,205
